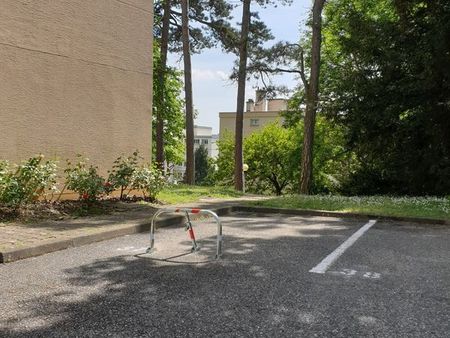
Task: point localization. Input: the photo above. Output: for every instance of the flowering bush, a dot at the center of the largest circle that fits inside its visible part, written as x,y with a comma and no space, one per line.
5,177
150,180
85,180
26,182
121,176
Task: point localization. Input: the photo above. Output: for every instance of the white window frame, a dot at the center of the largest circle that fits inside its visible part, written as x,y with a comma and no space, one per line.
254,122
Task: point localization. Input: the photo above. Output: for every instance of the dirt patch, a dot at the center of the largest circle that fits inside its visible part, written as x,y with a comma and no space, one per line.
65,209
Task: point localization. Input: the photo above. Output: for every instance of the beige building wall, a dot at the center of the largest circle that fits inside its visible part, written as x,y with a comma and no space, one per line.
228,121
75,77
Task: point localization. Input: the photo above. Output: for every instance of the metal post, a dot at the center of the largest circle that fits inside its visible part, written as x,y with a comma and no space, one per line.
190,230
219,239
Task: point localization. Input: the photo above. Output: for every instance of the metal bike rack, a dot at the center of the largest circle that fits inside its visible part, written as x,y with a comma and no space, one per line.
188,227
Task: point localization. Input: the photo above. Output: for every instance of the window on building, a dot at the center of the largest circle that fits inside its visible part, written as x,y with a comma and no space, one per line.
204,141
254,122
197,141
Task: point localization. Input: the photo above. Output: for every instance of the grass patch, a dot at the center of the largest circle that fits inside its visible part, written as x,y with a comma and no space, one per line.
421,207
185,194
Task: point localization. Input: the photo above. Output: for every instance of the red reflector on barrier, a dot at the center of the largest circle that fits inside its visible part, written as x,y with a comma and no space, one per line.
191,234
195,211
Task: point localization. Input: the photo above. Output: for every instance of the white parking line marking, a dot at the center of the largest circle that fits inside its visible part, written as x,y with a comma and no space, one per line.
323,266
372,275
348,272
353,273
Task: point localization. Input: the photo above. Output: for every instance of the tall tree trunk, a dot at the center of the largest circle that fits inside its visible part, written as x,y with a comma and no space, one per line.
161,79
242,75
312,96
190,170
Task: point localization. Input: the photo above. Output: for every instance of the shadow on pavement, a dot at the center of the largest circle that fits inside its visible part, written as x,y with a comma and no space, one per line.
255,290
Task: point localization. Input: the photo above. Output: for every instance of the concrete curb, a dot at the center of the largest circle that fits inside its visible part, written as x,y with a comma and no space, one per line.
9,256
309,212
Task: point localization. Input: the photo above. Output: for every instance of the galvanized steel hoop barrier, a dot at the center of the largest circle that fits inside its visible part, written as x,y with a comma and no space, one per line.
219,238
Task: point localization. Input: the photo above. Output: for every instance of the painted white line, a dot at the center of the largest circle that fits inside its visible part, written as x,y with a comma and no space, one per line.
353,273
332,257
372,275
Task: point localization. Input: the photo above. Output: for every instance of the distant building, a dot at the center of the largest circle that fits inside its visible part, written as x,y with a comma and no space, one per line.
214,147
203,136
259,113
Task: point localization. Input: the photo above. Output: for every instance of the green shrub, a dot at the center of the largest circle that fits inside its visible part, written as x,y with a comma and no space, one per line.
28,181
150,180
202,165
85,180
273,155
224,175
121,176
5,178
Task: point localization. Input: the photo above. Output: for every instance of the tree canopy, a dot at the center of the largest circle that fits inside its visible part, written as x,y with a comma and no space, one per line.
172,112
383,110
387,81
201,164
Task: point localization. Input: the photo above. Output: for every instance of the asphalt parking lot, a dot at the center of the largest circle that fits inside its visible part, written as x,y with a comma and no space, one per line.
279,276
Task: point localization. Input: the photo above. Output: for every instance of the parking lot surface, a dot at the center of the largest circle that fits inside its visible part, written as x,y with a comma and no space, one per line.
280,275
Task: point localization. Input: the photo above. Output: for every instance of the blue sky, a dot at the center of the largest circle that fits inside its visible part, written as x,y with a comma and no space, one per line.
213,92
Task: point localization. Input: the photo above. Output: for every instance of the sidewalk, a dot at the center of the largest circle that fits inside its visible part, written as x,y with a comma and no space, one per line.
19,241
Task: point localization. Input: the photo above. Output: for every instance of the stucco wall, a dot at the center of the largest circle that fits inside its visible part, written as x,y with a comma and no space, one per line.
228,121
75,77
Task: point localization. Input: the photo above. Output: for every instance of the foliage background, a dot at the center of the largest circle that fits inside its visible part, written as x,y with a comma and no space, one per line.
386,83
173,111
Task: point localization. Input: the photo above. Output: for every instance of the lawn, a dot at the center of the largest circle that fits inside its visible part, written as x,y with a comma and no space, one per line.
185,194
421,207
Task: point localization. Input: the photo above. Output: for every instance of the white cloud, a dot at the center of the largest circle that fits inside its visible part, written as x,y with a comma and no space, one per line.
209,75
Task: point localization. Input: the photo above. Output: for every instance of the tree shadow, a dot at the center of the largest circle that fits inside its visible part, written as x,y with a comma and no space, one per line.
261,287
256,289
